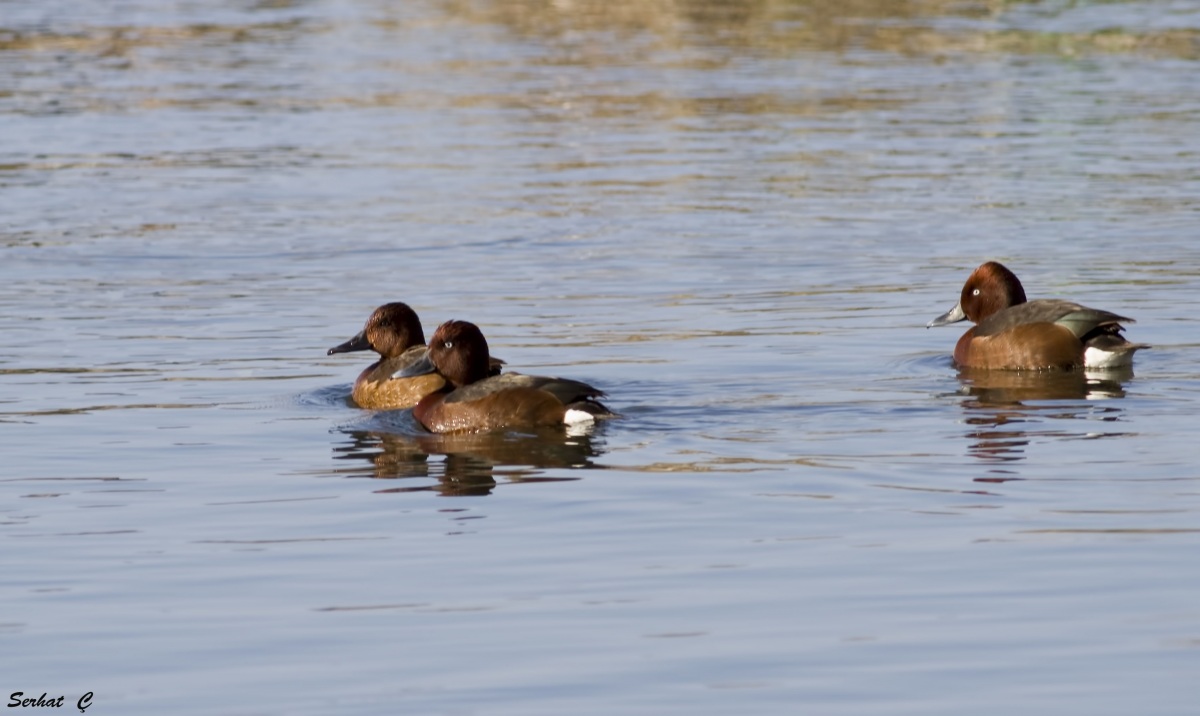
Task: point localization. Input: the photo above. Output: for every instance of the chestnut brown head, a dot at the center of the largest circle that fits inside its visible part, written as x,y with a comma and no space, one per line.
392,329
989,289
460,353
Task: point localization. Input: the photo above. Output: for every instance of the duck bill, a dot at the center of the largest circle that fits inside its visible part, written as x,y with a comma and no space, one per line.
357,343
421,366
954,315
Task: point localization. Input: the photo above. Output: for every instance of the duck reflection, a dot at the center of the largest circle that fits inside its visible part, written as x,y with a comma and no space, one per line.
1011,387
1009,410
465,464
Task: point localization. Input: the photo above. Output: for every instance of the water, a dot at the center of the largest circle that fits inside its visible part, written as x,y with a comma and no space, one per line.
735,218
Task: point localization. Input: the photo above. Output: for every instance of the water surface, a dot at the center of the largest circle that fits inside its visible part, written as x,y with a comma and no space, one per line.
735,218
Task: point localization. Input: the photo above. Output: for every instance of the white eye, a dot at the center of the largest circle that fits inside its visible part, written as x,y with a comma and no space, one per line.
975,292
448,344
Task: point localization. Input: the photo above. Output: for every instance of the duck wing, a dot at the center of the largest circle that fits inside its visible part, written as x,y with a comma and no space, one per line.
415,361
567,391
1078,319
392,367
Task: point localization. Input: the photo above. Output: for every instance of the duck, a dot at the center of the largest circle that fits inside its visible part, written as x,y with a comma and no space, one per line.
474,400
393,330
1014,333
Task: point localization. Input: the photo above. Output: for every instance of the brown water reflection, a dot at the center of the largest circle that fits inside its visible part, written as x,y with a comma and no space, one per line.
1010,387
782,27
1005,417
732,215
470,464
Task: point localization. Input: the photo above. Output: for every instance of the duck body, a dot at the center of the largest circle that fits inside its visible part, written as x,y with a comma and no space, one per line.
394,332
1013,333
473,401
377,389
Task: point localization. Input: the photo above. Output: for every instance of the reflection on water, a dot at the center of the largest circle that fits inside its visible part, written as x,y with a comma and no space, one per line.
468,464
732,214
1007,387
1004,414
924,27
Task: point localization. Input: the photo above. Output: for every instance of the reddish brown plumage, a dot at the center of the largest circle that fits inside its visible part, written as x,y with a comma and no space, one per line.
1014,333
394,332
473,401
1037,346
989,289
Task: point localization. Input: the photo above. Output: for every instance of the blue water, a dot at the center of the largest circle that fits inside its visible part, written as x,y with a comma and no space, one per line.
736,219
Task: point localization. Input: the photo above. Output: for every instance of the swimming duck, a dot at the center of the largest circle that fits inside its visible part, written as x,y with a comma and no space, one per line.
394,332
1013,333
474,400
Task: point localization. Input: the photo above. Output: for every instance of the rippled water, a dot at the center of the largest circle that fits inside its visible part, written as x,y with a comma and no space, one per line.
734,217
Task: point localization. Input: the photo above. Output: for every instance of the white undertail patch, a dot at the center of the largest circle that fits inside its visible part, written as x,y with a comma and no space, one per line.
1096,358
578,417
